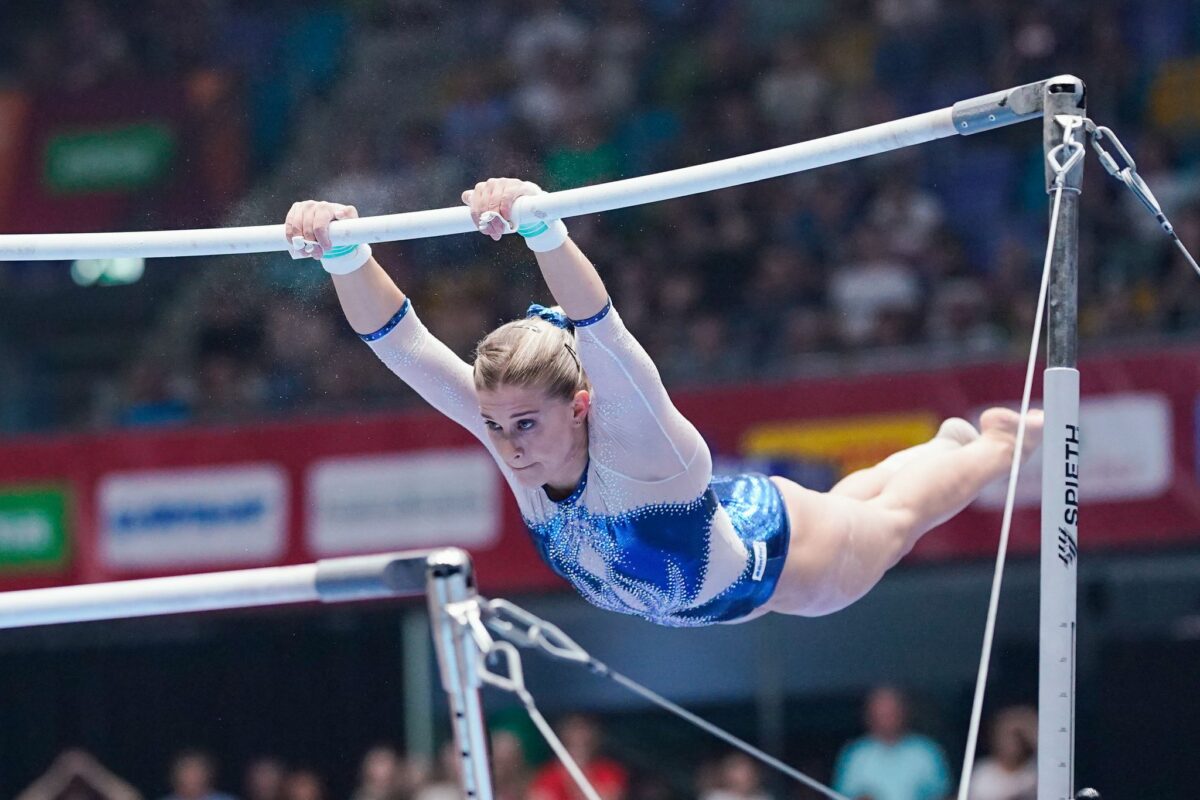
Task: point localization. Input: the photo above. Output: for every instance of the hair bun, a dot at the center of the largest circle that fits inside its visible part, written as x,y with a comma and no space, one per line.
552,315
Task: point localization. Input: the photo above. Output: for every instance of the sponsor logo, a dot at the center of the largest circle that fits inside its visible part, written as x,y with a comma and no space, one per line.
818,453
1127,454
33,528
1068,536
760,561
108,159
182,517
426,499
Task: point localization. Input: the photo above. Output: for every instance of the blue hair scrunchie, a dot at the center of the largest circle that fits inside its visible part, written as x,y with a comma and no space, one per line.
556,318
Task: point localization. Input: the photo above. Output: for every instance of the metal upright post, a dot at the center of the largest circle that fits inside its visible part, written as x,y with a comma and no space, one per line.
451,587
1064,96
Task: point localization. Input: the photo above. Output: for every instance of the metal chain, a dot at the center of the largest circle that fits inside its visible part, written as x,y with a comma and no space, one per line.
469,615
527,630
1124,168
1074,150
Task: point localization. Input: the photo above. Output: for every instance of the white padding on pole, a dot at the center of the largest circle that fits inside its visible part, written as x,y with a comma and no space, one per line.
1059,579
445,221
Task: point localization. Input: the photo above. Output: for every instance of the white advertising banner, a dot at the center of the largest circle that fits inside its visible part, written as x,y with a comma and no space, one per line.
422,499
1114,465
205,516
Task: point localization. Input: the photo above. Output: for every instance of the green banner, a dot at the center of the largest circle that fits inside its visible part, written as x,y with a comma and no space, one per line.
33,528
114,159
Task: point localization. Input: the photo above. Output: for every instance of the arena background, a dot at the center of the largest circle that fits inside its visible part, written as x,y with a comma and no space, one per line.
809,325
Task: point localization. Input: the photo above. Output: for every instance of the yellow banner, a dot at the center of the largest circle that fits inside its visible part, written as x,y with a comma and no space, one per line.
848,443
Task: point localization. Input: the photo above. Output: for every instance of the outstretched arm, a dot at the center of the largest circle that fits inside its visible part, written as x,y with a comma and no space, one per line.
369,297
571,276
383,317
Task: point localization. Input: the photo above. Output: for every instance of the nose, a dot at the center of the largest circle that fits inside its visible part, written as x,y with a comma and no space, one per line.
515,454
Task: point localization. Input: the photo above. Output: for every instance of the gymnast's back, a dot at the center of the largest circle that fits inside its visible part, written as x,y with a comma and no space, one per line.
648,530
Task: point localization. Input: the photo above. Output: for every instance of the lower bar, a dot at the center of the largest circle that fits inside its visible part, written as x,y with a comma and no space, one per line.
1060,520
330,580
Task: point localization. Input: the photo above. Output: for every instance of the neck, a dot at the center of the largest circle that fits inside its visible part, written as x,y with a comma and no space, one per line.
562,484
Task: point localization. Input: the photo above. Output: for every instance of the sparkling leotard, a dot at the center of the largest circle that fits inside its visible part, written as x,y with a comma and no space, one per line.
649,530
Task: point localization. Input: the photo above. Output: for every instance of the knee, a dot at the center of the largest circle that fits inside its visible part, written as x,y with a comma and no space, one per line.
898,526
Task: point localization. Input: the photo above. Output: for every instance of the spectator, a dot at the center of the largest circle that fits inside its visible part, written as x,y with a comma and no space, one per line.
510,770
264,779
1010,771
77,775
737,777
891,762
873,282
582,737
303,784
193,775
446,782
379,776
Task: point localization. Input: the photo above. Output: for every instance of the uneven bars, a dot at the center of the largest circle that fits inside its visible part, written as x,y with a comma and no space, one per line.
333,580
964,118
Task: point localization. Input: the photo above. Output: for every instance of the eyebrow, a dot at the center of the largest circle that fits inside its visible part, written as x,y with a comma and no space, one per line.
531,413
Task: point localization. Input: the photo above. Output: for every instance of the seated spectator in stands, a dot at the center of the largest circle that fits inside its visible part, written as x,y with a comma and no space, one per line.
737,777
445,784
1010,771
76,775
510,770
303,784
264,779
871,282
193,775
582,737
379,775
96,49
152,396
891,762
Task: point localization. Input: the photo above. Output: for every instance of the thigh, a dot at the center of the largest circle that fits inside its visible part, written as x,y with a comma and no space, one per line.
840,547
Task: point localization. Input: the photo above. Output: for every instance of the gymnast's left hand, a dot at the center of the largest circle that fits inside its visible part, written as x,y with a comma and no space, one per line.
496,195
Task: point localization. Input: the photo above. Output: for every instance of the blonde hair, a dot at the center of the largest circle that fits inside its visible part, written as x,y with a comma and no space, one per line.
531,353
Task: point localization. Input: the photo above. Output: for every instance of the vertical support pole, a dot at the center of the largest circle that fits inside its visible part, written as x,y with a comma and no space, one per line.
1064,95
452,582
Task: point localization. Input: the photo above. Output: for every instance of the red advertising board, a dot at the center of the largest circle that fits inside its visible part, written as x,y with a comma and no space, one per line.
79,161
198,499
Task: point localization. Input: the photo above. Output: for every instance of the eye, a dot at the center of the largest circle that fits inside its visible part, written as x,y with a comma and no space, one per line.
491,426
525,424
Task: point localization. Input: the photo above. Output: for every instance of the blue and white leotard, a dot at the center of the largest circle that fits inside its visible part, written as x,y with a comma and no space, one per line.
649,530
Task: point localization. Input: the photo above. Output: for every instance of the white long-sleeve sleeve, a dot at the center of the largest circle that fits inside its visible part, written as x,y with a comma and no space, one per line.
636,431
422,361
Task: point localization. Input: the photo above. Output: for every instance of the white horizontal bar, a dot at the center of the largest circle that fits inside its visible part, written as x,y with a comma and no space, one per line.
441,222
965,117
329,580
154,596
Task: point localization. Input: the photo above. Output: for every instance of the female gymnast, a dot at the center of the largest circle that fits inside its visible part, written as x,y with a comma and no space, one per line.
614,484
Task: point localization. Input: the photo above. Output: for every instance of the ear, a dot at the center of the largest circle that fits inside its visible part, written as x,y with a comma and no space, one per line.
581,404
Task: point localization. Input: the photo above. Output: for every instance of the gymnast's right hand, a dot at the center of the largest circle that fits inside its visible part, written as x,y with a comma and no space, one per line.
310,219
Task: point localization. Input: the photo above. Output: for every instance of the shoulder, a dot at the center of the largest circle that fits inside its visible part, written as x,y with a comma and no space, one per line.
920,743
855,750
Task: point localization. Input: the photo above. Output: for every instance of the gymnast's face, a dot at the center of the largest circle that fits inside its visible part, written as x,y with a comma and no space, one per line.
542,439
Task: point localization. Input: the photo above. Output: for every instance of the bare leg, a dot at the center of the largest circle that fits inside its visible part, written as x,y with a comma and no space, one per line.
841,545
867,483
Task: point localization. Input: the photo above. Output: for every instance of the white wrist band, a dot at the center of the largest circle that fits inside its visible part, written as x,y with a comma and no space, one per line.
345,259
541,237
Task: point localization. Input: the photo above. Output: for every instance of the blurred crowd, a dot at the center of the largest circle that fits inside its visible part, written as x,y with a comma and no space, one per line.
890,761
930,254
